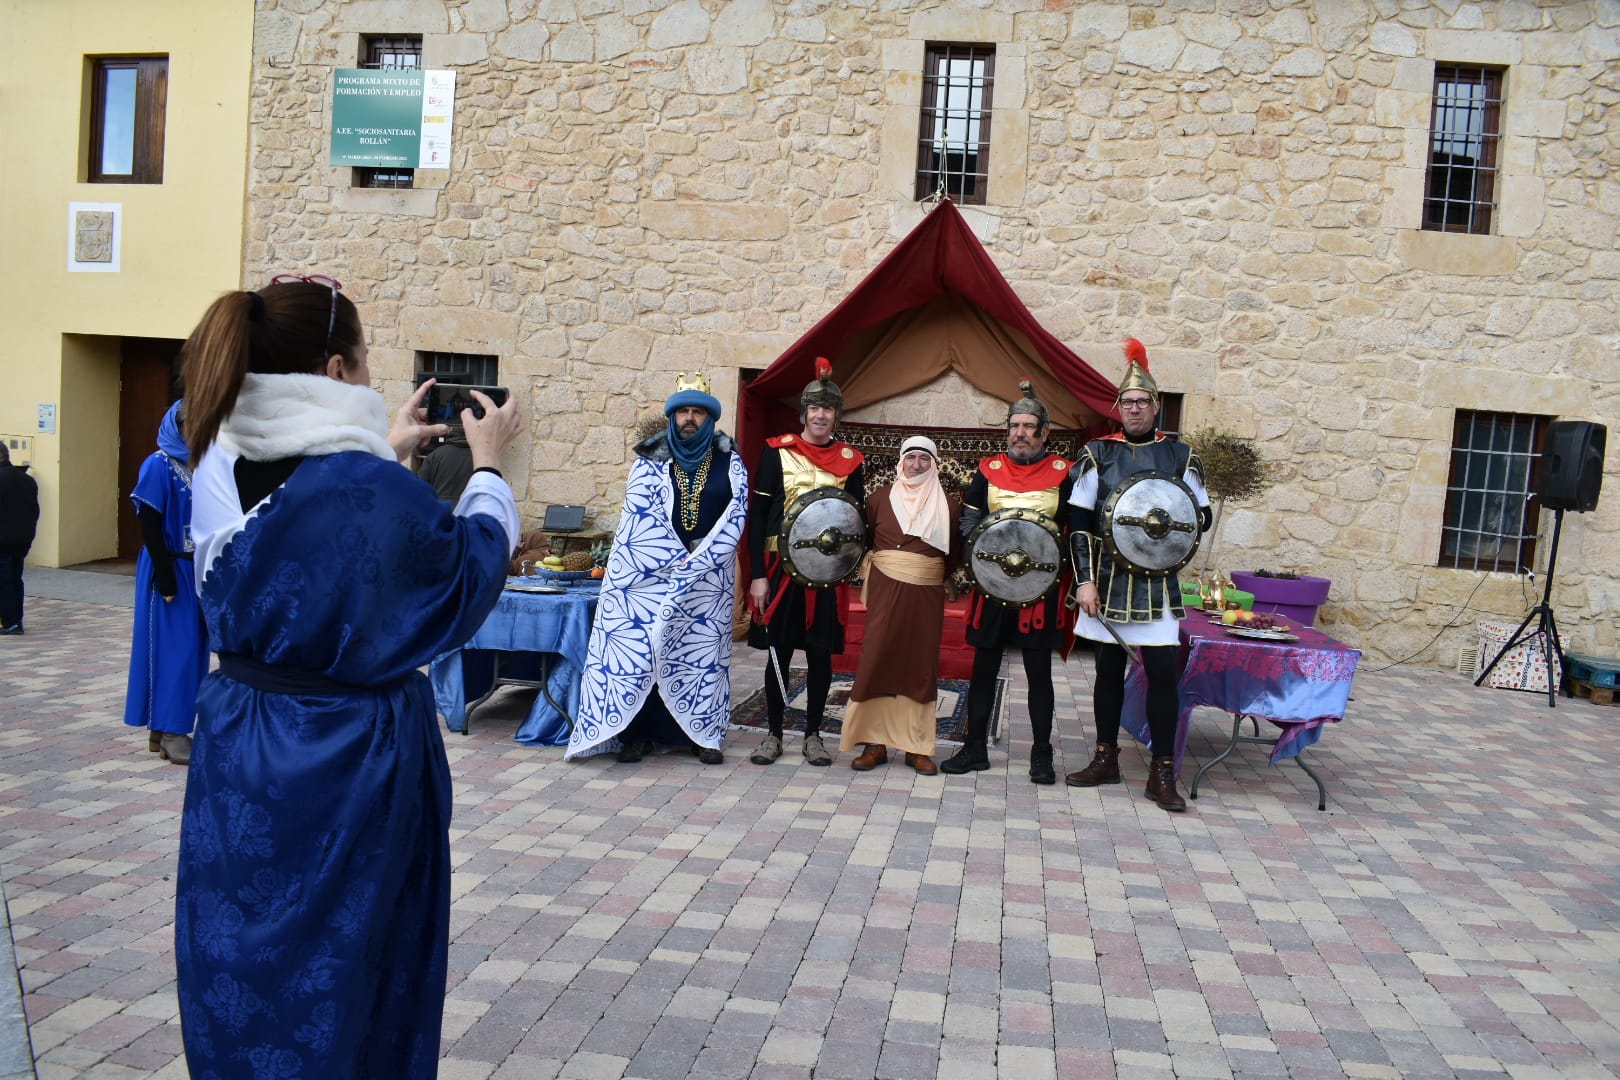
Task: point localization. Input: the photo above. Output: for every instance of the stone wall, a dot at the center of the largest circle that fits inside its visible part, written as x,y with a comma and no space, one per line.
647,186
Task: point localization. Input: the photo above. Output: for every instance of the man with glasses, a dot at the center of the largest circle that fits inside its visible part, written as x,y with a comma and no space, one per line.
1145,612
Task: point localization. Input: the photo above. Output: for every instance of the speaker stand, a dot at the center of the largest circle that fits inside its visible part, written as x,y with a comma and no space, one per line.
1546,624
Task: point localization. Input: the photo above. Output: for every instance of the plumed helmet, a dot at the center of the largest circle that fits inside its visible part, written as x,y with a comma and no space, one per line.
1136,372
1028,403
822,391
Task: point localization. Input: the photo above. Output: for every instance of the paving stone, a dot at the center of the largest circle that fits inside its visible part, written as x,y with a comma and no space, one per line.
1452,913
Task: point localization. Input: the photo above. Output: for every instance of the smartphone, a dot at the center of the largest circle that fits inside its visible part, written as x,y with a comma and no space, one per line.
445,401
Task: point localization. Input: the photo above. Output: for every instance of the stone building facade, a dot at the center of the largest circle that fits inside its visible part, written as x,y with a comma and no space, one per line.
639,187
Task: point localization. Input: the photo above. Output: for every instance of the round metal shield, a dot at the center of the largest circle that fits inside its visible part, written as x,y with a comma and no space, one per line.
1150,523
1015,556
823,537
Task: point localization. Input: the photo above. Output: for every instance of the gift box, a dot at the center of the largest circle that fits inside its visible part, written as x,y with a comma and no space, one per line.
1523,667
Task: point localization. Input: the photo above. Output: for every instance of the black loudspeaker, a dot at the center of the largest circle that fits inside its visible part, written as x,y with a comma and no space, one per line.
1572,465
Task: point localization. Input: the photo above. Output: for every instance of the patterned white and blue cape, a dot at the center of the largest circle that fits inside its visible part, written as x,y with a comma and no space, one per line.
664,617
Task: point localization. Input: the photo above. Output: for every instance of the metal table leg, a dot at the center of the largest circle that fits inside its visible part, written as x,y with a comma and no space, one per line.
1237,727
498,680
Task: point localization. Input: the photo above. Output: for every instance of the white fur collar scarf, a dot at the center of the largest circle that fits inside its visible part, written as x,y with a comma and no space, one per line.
283,416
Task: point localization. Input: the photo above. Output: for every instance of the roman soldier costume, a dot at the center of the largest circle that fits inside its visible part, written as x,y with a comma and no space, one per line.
1136,607
796,615
1040,485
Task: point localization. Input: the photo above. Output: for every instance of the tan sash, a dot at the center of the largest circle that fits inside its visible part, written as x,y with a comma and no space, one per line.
903,566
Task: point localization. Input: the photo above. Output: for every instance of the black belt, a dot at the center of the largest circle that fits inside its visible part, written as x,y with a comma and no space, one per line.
186,555
282,679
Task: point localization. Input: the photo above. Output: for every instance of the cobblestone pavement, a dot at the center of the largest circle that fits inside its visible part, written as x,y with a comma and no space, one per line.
1453,913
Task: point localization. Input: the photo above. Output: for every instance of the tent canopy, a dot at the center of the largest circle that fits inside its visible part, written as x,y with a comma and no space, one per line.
936,303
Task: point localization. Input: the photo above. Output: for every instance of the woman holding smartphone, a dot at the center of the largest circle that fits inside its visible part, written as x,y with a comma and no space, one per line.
312,910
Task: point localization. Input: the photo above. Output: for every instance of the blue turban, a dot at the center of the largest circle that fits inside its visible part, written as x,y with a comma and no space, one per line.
689,453
170,439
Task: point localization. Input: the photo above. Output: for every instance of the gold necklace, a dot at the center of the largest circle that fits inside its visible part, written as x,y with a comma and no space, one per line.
691,485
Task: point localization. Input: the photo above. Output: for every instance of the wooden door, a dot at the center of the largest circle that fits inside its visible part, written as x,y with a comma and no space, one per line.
149,382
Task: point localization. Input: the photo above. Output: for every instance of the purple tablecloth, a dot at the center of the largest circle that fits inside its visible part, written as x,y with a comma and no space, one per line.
1299,686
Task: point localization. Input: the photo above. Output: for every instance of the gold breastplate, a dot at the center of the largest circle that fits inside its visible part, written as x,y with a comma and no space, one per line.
800,476
1044,501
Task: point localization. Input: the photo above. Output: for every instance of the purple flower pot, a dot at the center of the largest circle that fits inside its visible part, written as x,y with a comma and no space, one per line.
1295,599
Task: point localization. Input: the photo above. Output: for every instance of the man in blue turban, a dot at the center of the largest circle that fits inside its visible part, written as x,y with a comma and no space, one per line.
658,670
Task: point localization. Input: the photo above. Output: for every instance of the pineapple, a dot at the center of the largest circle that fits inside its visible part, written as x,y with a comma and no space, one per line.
578,561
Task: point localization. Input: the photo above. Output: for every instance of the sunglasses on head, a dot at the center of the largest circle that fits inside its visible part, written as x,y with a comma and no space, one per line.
325,282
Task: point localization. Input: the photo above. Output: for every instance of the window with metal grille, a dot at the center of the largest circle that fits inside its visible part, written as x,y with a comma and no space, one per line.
388,53
473,369
129,99
1491,519
953,141
1463,137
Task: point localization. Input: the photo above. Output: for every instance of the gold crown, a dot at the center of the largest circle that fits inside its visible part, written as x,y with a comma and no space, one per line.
697,382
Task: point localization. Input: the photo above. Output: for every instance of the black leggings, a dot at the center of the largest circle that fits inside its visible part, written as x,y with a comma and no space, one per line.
819,662
982,693
1163,701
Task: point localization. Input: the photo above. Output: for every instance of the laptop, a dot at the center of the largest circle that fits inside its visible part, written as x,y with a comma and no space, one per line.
563,519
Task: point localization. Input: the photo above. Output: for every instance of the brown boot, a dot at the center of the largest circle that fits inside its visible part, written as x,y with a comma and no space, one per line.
1161,785
874,755
923,764
1104,769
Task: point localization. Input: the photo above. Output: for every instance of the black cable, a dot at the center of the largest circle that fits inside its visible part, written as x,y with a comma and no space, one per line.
1482,579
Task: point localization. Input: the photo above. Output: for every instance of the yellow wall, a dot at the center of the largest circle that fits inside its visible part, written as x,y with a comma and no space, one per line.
182,239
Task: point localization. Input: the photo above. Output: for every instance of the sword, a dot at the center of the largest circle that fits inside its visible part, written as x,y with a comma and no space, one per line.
1130,650
776,668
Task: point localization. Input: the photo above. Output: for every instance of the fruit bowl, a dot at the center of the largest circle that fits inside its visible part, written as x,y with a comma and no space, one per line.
546,573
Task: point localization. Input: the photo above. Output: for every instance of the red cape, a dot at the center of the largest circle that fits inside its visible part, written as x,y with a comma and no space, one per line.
1009,475
838,458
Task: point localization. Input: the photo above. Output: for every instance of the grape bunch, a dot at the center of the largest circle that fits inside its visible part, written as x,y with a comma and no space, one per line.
1264,621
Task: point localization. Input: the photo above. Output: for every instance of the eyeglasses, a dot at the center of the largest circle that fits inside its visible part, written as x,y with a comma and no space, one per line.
318,279
1134,404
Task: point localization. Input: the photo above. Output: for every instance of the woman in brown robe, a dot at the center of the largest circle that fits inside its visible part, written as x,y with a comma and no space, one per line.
913,526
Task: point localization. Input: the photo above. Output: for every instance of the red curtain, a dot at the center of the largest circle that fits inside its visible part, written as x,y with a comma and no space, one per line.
940,256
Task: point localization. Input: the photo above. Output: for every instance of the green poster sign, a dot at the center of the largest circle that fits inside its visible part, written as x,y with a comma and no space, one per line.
392,118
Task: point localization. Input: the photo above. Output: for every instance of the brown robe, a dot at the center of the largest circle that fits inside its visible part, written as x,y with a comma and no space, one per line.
897,680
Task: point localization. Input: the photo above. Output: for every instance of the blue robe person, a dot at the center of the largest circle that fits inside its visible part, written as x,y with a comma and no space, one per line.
168,654
313,900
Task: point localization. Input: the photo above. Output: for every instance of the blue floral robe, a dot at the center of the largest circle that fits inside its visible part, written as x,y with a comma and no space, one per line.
664,617
168,652
312,910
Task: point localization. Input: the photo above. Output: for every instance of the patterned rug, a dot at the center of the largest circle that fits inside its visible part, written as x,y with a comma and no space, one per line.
951,702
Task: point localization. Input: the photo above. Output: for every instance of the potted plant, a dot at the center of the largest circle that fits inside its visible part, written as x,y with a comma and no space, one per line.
1233,469
1295,596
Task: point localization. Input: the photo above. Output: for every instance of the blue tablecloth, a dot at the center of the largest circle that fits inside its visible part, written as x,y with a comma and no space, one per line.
522,627
1299,686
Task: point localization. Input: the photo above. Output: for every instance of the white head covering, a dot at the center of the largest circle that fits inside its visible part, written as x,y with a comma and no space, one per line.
919,502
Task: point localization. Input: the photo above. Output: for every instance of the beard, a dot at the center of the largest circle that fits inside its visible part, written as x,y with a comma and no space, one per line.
1024,453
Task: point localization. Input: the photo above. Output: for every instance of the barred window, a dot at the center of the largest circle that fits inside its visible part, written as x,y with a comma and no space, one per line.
389,54
1491,519
473,369
1463,137
953,151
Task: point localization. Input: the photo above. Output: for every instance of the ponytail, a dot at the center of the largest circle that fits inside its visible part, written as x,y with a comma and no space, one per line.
286,327
215,361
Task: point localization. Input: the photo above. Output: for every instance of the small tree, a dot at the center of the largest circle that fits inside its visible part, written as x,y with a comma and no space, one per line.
1233,469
